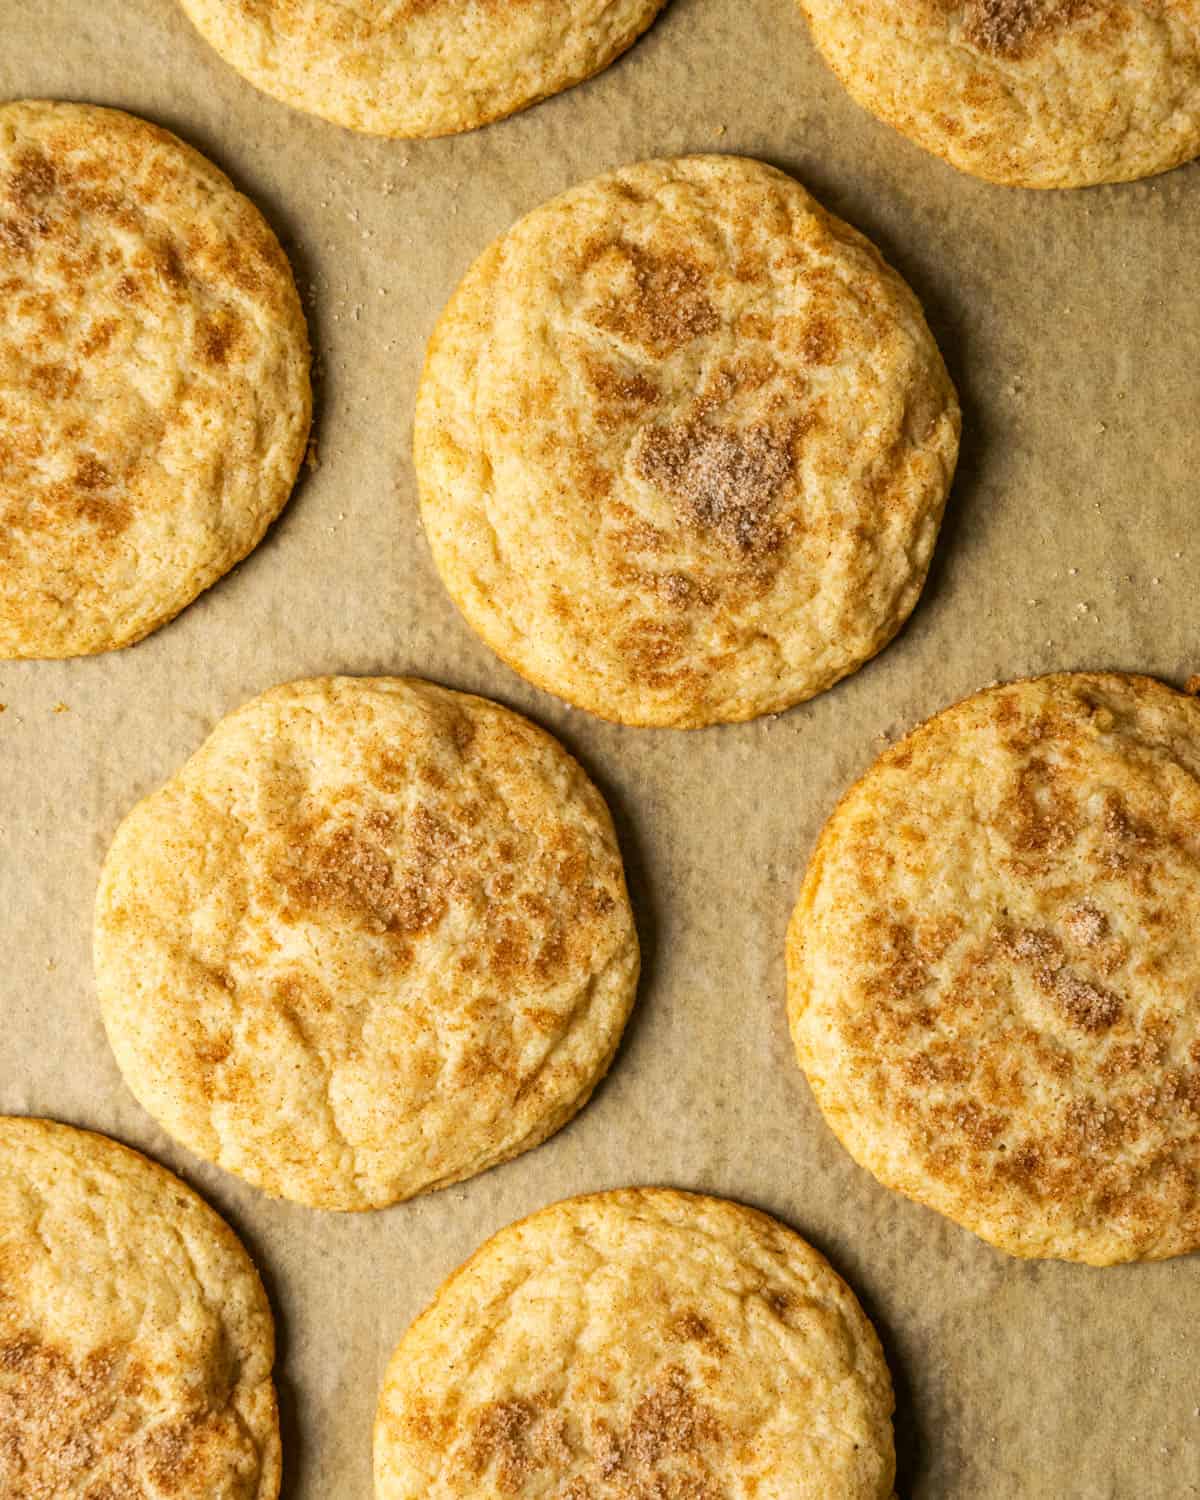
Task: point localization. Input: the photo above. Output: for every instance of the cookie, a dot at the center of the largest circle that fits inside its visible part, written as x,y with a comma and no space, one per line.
638,1343
994,985
154,387
1030,93
372,939
136,1342
683,443
419,67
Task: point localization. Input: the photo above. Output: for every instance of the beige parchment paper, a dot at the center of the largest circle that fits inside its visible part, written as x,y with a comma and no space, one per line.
1071,323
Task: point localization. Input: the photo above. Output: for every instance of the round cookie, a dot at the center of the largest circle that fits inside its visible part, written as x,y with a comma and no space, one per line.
638,1343
994,983
136,1342
683,443
373,938
419,67
154,387
1030,93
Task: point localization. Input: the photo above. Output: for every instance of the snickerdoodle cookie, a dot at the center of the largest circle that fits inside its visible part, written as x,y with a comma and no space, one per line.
154,384
373,938
1032,93
136,1342
418,67
683,443
994,982
639,1343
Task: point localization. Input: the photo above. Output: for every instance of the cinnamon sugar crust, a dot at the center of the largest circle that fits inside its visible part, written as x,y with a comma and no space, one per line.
136,1342
638,1345
1030,93
994,987
373,938
1012,28
683,443
154,385
418,67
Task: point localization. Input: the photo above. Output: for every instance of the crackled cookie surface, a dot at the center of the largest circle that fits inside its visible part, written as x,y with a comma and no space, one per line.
1032,93
373,938
418,67
136,1342
640,1343
684,443
994,983
154,386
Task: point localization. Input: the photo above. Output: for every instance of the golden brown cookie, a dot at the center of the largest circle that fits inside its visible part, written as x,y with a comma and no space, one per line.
994,982
633,1344
136,1342
373,938
154,388
1031,93
683,443
418,67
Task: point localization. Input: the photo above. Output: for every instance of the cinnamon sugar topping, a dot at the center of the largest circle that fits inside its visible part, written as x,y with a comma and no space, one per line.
1005,26
659,1451
665,306
1086,924
1086,1005
722,481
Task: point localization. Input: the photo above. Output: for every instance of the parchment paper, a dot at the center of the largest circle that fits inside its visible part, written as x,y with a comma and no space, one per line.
1071,324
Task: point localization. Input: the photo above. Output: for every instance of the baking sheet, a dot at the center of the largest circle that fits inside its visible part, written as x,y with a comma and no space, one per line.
1072,326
